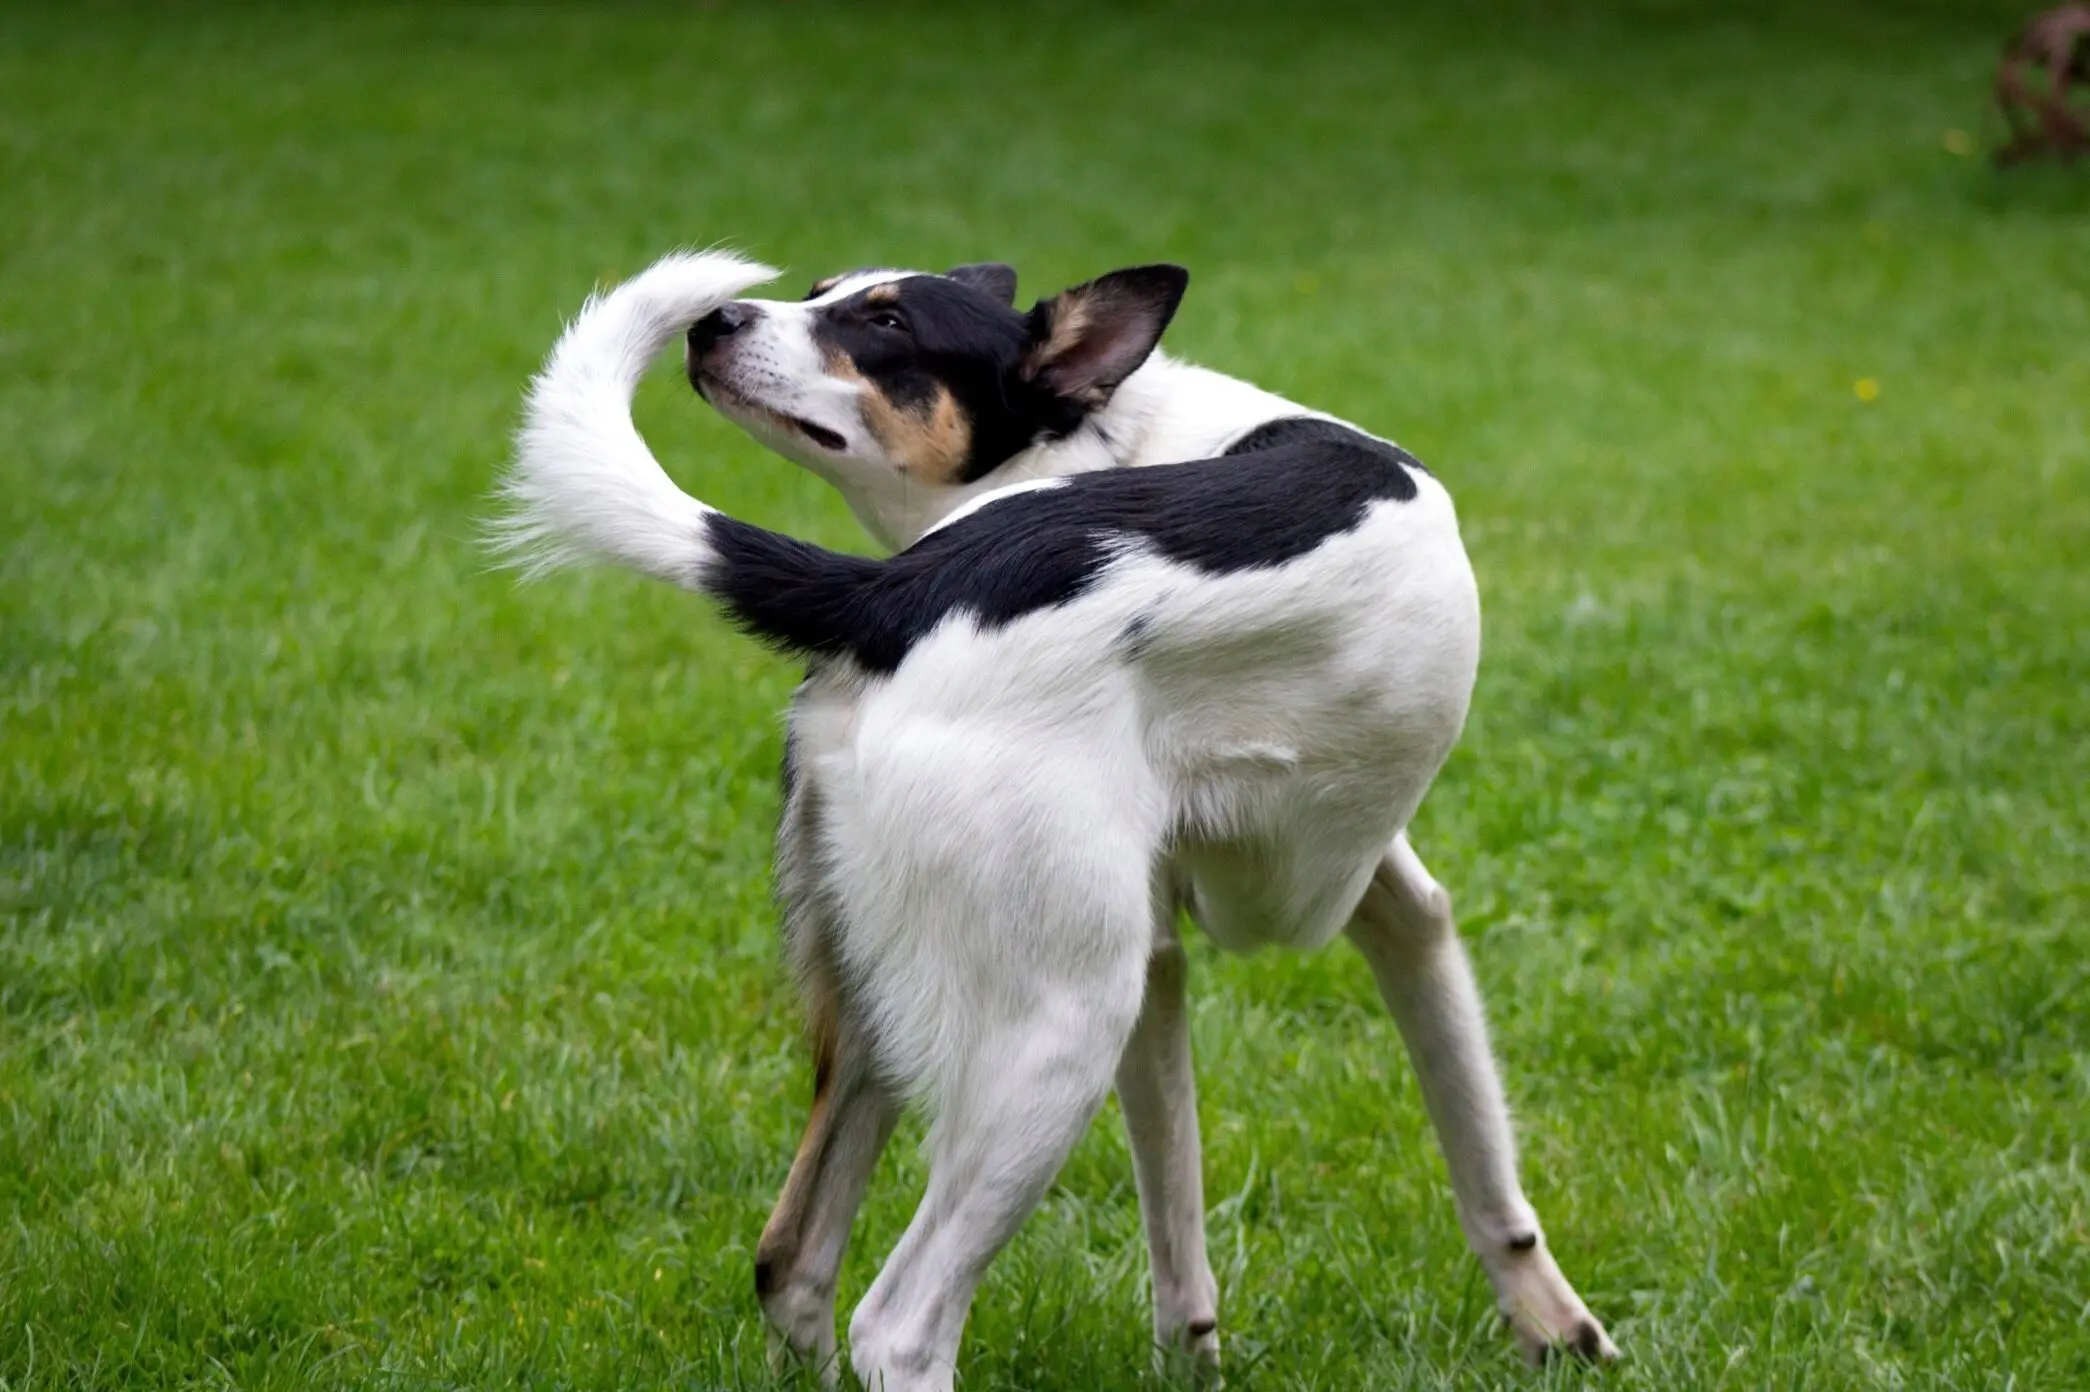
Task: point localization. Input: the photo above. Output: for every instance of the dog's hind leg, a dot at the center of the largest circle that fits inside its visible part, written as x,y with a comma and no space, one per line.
853,1113
1157,1090
996,885
999,1139
1036,999
800,1254
1405,931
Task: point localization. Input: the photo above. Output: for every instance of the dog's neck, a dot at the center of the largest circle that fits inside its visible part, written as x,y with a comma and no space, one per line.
1165,413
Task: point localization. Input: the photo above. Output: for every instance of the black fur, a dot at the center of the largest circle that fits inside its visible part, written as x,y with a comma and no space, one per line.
911,335
1038,549
1311,430
989,277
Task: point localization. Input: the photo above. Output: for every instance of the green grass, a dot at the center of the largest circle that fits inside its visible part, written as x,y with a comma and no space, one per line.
388,995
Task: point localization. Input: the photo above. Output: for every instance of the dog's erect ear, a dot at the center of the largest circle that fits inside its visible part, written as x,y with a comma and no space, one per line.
1087,340
987,277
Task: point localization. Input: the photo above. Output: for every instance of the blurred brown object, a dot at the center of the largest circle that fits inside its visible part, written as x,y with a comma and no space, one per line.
2056,44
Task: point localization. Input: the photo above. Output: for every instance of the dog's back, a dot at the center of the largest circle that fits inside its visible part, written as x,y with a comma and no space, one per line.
1265,657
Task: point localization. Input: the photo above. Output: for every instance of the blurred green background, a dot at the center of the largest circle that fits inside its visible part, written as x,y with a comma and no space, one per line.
388,994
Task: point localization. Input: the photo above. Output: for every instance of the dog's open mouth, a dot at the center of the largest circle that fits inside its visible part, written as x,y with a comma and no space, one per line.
720,394
818,434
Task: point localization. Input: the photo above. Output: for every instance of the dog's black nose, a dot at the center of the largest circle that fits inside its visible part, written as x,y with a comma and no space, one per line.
722,323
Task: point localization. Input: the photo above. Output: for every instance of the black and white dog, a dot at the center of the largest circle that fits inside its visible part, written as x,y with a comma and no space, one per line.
1081,696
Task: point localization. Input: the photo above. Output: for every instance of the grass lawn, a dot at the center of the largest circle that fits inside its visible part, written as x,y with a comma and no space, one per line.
388,995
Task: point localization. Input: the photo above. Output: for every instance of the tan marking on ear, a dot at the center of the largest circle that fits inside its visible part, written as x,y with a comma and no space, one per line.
928,442
1070,320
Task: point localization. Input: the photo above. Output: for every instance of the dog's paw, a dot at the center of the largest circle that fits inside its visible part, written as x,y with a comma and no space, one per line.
1190,1356
1543,1311
1584,1341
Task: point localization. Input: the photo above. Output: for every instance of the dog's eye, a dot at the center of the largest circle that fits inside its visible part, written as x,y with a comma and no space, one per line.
886,319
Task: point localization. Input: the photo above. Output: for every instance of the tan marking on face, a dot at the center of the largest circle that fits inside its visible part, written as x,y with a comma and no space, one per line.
883,294
821,287
928,442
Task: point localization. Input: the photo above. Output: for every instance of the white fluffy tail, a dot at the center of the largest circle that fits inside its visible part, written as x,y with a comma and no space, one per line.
584,486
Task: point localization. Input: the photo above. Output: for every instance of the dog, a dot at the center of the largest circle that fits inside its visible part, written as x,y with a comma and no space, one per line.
1152,640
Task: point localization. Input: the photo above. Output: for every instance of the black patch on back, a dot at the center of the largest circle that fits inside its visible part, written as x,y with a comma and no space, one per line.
955,335
1035,550
1310,430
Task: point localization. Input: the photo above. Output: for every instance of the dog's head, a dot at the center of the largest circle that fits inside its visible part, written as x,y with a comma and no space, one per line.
926,380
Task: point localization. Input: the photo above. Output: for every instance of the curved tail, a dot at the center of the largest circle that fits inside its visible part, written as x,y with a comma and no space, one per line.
584,487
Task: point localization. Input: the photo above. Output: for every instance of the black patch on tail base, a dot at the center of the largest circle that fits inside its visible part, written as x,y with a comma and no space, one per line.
790,593
823,604
1042,548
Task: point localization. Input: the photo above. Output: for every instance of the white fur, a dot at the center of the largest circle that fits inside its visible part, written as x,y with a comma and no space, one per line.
778,372
584,486
991,842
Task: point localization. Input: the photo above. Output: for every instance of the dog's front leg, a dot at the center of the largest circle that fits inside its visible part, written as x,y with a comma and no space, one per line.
1404,929
1157,1090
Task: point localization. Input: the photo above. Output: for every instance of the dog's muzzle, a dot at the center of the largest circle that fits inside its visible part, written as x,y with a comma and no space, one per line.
716,327
707,334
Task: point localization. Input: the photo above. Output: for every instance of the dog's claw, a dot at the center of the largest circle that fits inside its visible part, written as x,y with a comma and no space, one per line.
1585,1342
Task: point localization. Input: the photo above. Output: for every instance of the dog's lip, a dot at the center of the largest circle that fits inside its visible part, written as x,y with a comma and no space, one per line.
819,434
711,388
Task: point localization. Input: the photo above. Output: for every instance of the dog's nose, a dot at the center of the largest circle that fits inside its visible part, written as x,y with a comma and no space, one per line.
721,324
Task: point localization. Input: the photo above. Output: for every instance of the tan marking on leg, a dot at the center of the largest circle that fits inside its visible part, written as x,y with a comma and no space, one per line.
778,1246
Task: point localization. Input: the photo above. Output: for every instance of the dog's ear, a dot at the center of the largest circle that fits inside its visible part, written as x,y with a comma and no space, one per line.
987,277
1087,340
